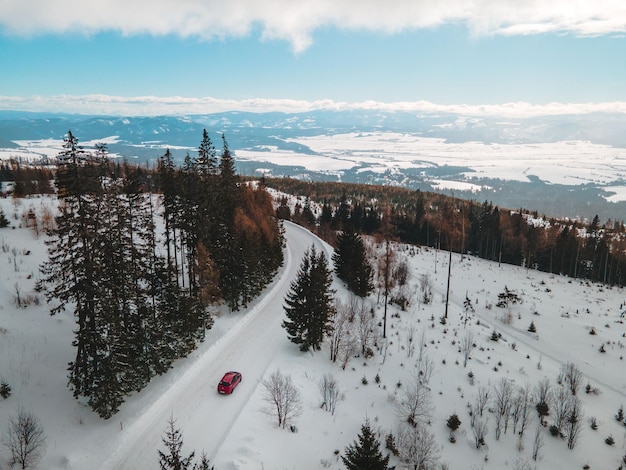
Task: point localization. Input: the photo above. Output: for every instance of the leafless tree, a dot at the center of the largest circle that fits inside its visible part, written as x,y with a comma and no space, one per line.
523,464
421,346
425,369
482,399
283,396
347,351
480,431
25,439
410,340
524,414
341,329
502,394
543,391
574,424
414,406
426,287
561,404
537,441
572,375
366,326
467,346
417,447
329,389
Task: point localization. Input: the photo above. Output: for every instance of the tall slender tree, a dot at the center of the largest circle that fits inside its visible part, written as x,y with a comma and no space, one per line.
309,306
351,263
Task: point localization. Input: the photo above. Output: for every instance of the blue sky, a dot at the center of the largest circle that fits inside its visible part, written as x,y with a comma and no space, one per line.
110,57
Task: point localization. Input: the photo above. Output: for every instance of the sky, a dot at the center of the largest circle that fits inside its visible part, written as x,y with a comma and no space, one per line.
167,56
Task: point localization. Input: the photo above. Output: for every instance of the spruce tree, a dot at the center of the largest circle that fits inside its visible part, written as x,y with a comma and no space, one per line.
351,263
309,306
72,271
365,453
172,459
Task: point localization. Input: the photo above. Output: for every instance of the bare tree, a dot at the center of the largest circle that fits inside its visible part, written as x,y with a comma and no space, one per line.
417,447
523,464
480,431
425,369
341,329
525,415
542,398
426,287
347,351
25,439
537,441
329,389
574,422
414,407
572,375
561,406
467,346
502,394
282,394
482,399
366,326
410,338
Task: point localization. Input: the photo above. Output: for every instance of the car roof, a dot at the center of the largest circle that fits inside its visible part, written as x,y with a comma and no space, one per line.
230,374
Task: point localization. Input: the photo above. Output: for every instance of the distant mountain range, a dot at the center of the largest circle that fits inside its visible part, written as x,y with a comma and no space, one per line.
144,139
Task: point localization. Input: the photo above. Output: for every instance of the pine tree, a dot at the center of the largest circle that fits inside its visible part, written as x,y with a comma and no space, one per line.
351,263
173,441
72,271
4,222
365,454
309,307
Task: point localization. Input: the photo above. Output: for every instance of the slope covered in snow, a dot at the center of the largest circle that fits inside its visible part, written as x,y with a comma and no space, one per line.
576,322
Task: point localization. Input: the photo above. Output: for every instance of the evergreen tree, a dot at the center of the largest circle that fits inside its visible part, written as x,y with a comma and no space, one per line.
365,454
173,441
4,222
309,307
351,263
72,271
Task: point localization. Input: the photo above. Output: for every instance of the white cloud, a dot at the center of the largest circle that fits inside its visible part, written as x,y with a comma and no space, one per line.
295,21
154,105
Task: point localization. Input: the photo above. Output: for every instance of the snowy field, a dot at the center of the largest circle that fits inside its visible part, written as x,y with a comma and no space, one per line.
569,162
575,321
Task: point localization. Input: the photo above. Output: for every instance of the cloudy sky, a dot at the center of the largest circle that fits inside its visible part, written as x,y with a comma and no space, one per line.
181,56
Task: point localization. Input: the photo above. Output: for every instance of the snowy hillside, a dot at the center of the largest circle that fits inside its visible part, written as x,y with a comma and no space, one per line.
576,323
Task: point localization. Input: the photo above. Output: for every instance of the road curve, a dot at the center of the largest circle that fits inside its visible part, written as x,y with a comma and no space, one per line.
204,416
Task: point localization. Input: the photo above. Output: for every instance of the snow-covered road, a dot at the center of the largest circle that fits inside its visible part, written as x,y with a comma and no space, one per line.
205,417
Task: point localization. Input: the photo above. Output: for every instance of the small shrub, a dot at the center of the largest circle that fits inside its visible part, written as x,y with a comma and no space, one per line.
532,328
594,423
592,331
620,414
470,376
494,336
377,379
555,431
609,440
5,390
390,444
453,422
364,380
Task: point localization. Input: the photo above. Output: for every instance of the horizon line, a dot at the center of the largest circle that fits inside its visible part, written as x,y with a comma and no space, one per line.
135,106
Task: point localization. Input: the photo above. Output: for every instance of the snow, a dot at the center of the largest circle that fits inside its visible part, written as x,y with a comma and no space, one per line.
239,432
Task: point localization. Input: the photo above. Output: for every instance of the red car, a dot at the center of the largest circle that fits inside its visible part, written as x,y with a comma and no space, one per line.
229,382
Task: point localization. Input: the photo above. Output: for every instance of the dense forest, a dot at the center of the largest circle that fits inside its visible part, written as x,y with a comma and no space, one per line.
585,250
142,257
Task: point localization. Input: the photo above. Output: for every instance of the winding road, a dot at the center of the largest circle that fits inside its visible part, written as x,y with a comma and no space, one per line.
205,416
